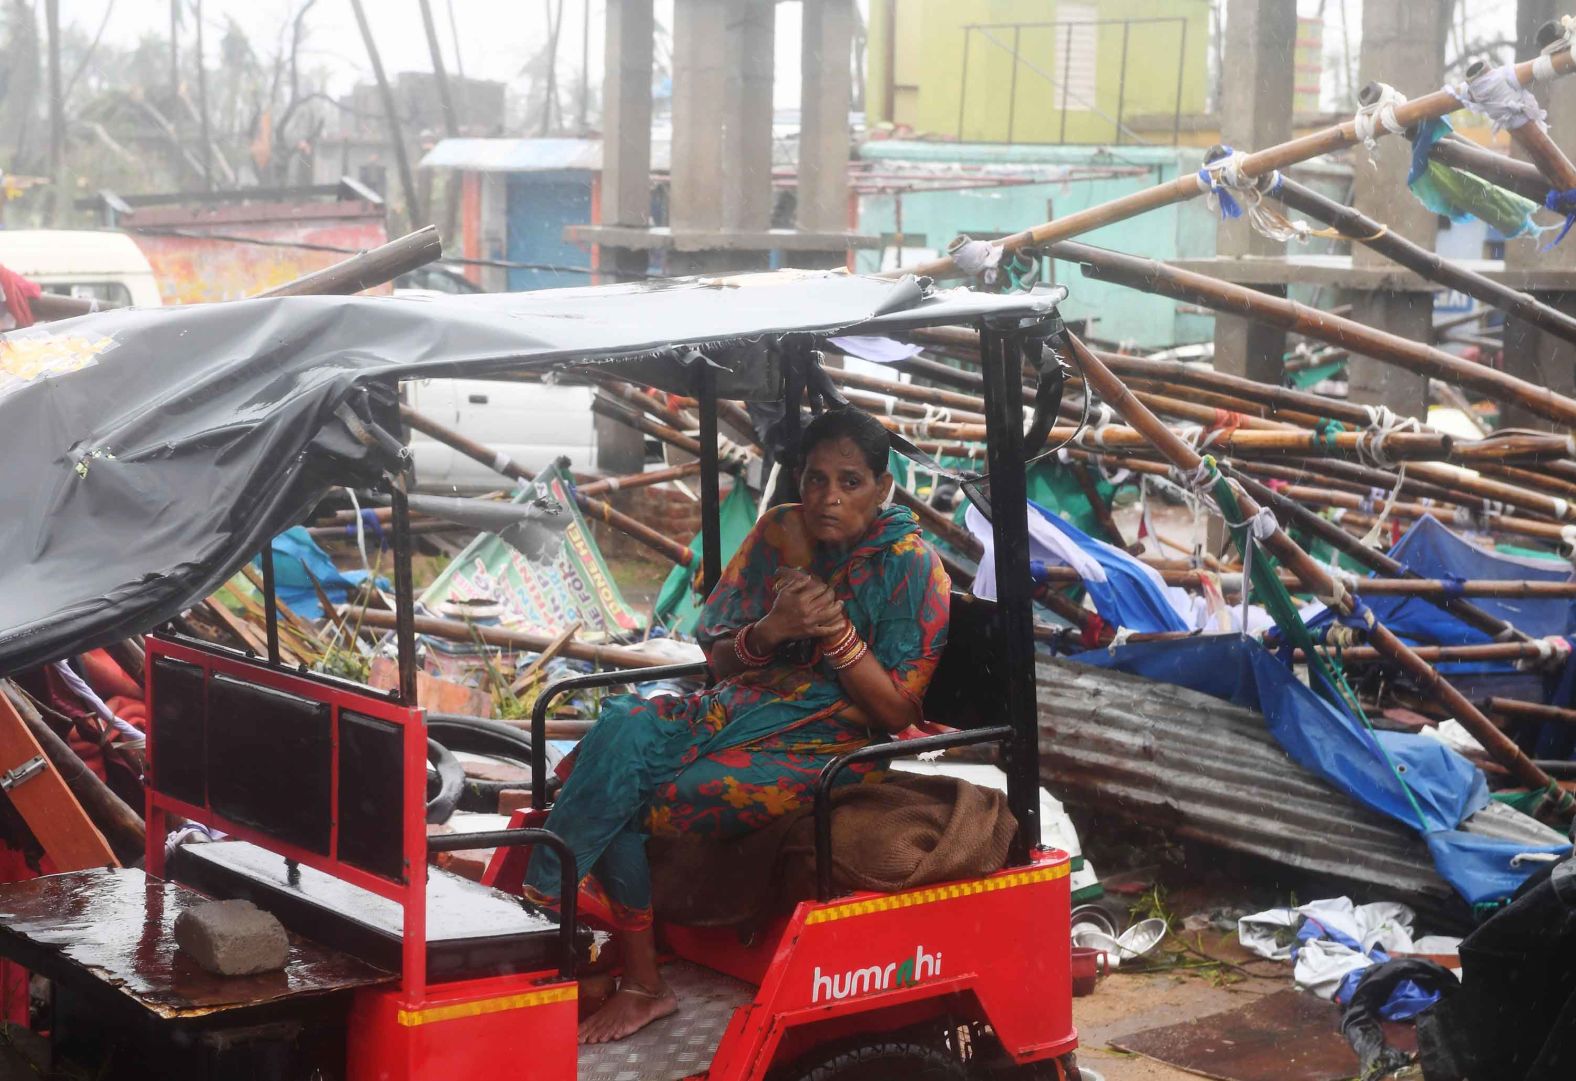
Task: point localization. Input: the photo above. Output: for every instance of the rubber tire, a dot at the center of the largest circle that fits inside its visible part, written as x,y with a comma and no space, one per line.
884,1060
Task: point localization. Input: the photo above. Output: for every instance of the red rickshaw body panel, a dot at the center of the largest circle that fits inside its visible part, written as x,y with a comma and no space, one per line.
976,949
509,1028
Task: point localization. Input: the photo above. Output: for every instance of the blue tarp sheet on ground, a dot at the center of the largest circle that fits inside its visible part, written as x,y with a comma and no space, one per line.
295,552
1329,742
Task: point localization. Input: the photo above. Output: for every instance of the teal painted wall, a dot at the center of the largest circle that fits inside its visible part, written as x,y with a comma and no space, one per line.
1185,231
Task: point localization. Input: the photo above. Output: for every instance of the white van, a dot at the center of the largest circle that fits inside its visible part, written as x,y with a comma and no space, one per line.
82,263
533,423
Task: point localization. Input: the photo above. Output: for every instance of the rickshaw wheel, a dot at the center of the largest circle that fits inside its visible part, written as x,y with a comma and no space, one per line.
883,1060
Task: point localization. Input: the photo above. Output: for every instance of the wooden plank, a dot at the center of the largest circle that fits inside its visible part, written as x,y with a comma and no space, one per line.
62,827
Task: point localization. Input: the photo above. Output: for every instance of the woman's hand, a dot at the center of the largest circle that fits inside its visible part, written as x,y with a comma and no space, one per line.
805,607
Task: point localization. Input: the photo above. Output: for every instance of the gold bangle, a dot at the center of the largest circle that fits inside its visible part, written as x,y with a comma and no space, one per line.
854,658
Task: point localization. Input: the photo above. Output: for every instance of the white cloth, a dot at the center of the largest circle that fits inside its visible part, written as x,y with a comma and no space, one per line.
876,349
1322,962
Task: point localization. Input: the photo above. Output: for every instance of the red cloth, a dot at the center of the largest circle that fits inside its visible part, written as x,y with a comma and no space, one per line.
19,296
108,678
120,692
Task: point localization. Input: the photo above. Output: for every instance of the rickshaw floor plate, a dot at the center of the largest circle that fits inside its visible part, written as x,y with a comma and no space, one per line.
676,1046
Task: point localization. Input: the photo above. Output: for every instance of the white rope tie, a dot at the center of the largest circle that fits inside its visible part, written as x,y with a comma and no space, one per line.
1336,601
1562,507
1119,639
976,258
1382,424
1094,431
1381,113
1543,66
934,414
1225,175
1568,542
1340,636
1498,95
1371,538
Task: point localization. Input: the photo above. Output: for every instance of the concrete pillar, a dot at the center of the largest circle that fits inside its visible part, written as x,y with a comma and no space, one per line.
1403,45
700,43
747,115
626,126
1258,87
825,98
1530,353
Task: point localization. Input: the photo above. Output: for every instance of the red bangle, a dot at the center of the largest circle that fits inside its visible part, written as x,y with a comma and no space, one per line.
844,641
741,649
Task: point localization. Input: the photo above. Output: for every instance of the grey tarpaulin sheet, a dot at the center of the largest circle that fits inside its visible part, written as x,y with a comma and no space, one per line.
150,452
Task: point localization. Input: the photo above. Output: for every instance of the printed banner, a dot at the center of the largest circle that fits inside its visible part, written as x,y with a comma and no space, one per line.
545,597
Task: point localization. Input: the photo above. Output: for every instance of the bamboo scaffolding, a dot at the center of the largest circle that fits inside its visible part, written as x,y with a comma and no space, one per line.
1260,163
1153,276
1317,580
1374,560
1231,582
1294,441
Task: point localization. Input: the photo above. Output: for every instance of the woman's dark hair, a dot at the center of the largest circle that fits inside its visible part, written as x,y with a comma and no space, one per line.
853,424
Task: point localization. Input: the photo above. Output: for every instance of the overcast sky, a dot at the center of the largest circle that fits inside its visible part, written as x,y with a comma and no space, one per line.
496,37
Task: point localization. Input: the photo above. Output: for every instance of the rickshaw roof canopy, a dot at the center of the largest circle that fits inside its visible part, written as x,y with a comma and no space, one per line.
152,452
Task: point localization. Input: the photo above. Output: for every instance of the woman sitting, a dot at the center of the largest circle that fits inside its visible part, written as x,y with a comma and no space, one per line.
821,637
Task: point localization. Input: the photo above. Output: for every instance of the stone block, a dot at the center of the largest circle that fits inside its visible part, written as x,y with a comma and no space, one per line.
232,938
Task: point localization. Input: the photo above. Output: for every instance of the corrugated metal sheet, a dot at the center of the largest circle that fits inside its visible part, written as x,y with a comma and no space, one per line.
1209,771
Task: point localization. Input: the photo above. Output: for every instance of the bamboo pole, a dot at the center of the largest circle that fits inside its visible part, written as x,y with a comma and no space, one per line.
1317,580
361,271
607,407
639,480
1520,177
1531,650
121,825
1231,582
1516,710
1153,276
454,630
1395,247
1260,163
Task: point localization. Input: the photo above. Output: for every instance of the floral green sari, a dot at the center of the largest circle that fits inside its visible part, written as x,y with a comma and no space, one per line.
730,758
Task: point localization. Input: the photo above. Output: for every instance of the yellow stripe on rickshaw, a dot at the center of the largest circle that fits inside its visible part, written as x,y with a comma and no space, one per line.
930,894
434,1014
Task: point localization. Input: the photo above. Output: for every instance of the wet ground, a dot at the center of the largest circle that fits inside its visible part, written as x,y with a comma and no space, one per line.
1128,1002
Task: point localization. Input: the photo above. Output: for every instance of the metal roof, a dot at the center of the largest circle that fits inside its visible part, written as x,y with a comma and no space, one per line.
1203,769
528,155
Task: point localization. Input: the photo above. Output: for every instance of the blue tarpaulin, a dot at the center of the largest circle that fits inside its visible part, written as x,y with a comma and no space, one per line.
1431,550
1338,747
295,552
1125,592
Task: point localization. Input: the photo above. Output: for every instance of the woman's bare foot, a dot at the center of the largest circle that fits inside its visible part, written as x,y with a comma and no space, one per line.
595,990
630,1009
